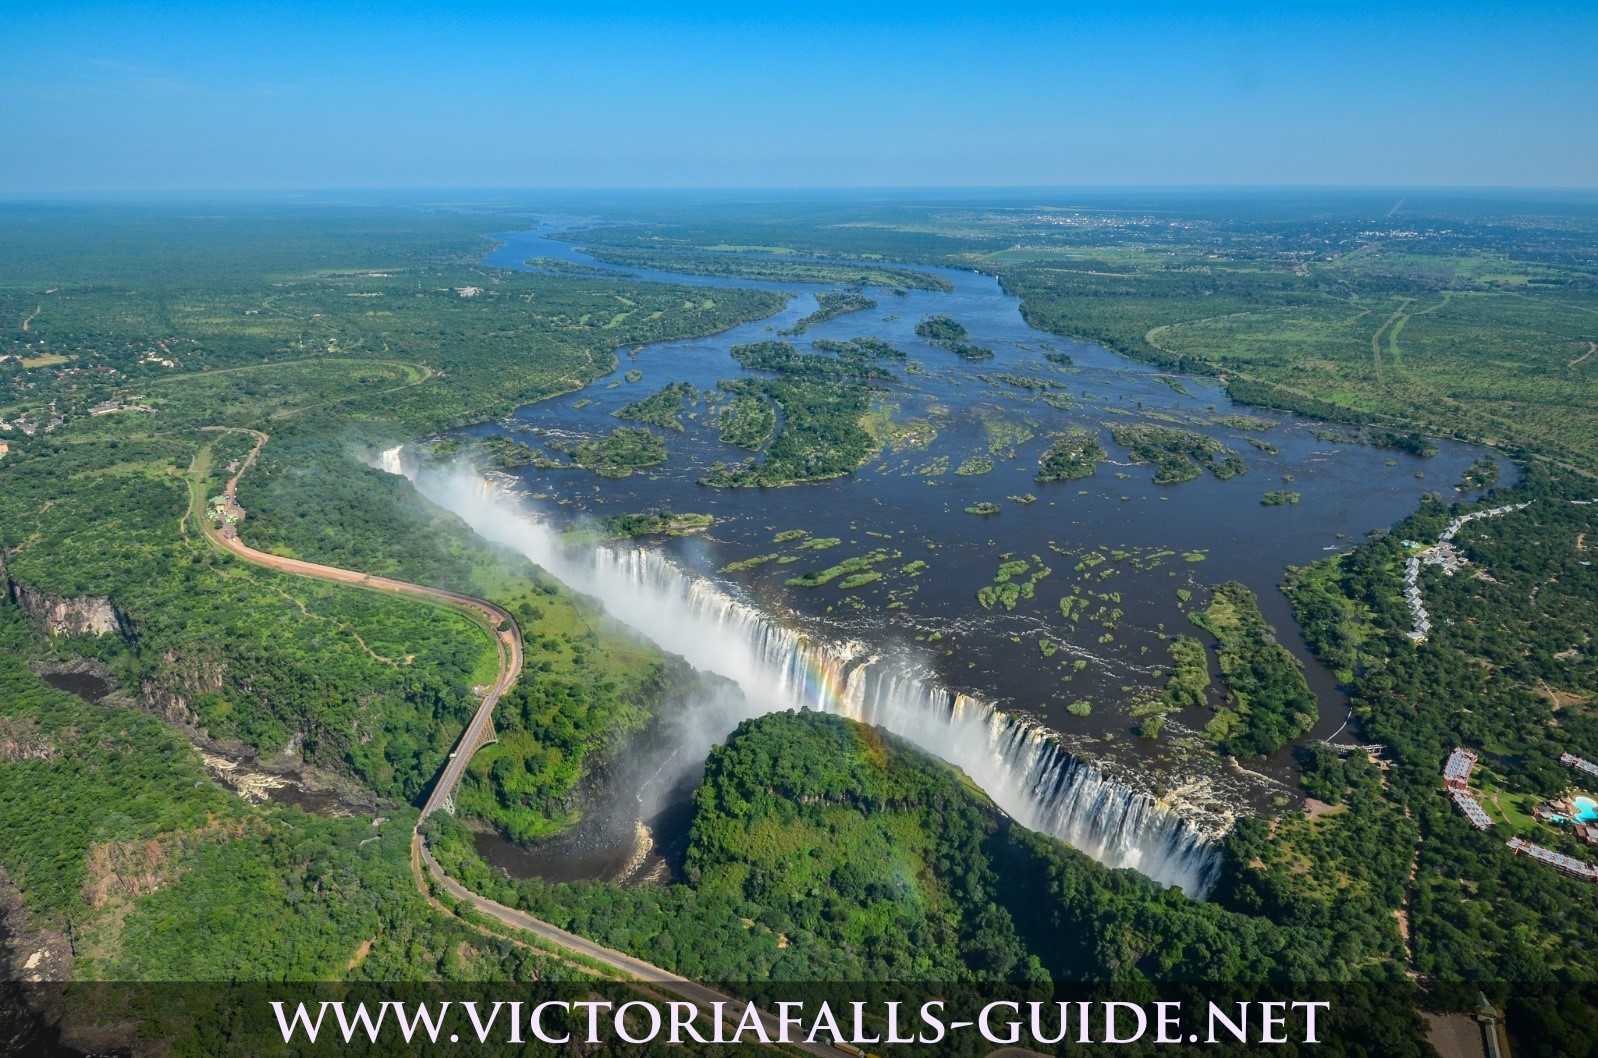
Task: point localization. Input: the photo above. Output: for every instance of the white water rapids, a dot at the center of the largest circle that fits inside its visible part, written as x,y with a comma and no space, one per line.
1019,763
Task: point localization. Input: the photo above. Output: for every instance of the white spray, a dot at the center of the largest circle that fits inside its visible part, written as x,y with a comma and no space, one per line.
1019,764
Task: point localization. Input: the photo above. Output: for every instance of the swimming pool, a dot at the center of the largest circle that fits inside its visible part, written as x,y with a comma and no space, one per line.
1586,811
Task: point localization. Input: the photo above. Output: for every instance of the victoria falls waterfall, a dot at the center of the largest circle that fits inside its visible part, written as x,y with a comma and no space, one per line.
1019,763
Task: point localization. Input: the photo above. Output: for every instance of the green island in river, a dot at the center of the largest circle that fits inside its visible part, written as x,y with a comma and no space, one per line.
215,768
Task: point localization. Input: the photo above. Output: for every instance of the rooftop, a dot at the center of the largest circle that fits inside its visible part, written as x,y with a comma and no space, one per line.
1474,812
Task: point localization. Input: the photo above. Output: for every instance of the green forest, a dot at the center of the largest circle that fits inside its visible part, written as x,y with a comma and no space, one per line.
825,850
160,861
819,848
1268,704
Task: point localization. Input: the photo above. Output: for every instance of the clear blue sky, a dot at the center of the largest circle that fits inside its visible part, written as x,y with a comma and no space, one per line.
98,96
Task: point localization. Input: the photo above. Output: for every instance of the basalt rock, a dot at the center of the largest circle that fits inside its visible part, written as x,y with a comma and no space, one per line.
82,615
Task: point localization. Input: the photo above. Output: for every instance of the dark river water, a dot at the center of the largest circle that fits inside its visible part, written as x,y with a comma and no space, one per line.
1128,546
86,685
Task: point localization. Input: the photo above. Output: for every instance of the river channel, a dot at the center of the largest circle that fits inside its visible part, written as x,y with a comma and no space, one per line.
1133,557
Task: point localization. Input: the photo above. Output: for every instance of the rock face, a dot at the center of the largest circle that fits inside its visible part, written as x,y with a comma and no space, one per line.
82,615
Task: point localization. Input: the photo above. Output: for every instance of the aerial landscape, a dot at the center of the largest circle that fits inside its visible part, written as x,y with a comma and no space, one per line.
1018,594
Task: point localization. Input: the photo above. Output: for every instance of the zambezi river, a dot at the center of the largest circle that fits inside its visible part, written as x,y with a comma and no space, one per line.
1031,692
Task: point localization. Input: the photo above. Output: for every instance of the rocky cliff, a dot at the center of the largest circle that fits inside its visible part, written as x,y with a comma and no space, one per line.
80,615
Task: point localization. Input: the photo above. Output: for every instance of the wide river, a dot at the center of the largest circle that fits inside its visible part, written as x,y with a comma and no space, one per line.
1133,557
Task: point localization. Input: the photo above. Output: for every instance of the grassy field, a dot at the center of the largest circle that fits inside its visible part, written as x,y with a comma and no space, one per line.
1475,317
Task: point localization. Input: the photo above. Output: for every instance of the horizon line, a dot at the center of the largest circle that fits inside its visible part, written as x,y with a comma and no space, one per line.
830,189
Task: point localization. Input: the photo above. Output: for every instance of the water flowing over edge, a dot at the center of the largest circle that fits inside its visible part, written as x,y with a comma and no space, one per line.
1019,764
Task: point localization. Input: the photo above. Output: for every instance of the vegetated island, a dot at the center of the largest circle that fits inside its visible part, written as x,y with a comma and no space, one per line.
658,523
1070,457
1268,702
1178,455
824,401
625,450
746,266
951,334
560,266
830,304
1481,474
662,407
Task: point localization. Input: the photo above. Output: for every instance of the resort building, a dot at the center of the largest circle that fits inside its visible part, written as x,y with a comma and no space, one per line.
1456,778
1567,865
1578,811
1473,811
1444,554
1570,760
1456,770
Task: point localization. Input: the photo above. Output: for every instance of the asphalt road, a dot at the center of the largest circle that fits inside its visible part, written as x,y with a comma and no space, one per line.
509,641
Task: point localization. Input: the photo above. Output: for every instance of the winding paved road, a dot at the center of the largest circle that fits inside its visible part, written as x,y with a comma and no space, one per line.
507,637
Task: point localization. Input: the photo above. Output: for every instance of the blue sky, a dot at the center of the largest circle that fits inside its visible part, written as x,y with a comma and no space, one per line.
155,96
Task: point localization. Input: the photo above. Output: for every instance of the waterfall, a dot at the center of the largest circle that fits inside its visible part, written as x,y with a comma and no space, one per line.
1025,770
1018,763
391,460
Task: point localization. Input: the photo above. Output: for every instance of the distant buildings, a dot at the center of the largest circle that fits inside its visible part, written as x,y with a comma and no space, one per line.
1444,554
225,511
111,407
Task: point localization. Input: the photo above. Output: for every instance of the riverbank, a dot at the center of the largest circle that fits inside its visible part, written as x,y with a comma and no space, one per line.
920,563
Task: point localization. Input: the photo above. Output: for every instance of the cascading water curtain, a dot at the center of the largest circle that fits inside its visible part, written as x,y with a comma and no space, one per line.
1020,765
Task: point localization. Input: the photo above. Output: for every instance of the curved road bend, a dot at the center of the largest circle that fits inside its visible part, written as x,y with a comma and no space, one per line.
647,973
507,636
